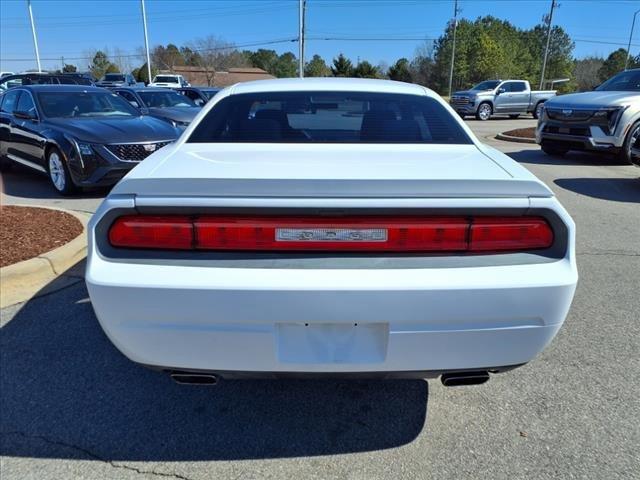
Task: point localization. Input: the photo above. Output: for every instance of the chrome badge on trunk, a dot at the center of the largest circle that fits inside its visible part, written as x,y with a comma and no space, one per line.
331,234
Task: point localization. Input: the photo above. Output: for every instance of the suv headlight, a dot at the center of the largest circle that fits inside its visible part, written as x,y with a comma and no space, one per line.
608,118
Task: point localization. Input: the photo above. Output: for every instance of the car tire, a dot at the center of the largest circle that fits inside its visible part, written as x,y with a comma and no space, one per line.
514,116
537,112
484,111
554,151
633,138
59,173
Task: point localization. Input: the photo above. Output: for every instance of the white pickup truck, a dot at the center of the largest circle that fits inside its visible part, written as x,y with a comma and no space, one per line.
510,97
171,81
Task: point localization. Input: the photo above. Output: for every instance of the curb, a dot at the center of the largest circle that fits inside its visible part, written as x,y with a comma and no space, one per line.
509,138
31,278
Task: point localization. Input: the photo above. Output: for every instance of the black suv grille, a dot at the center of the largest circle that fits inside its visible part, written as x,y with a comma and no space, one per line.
569,115
135,152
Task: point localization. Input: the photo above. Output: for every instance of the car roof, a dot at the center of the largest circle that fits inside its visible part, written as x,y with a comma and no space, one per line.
62,88
329,85
145,89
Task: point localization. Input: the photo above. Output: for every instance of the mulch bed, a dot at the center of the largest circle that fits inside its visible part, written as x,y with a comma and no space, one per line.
26,232
522,132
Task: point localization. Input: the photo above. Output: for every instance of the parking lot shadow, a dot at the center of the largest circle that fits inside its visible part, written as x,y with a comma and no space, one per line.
66,392
615,189
21,181
538,157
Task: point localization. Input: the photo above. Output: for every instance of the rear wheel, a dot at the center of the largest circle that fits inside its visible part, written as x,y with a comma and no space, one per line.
59,173
631,143
537,112
514,116
554,151
484,111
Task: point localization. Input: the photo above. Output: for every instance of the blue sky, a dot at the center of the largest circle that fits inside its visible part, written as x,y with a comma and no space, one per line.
393,28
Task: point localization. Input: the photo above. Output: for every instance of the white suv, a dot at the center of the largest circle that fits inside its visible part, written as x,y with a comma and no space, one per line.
171,81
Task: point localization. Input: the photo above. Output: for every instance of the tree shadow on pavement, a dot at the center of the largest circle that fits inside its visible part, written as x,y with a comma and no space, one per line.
615,189
537,157
66,392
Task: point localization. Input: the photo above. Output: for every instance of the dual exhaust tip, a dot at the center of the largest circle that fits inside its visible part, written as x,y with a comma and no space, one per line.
456,379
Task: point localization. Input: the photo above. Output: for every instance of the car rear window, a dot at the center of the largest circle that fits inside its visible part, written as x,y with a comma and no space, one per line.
166,79
329,117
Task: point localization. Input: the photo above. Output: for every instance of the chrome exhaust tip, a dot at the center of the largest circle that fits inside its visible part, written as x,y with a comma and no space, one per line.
459,379
193,378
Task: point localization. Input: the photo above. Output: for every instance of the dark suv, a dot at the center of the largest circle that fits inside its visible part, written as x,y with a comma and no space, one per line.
24,79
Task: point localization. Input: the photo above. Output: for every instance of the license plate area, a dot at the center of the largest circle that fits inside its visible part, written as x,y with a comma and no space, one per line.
352,343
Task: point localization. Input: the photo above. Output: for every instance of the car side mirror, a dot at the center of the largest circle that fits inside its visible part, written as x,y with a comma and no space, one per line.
144,111
501,90
24,115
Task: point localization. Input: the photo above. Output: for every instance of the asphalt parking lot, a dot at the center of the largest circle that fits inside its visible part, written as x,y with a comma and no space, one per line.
73,407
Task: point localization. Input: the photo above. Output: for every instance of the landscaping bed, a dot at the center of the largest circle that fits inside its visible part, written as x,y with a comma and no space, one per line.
26,232
529,132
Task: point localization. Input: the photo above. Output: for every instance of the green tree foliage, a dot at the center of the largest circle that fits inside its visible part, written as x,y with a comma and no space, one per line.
492,48
280,66
167,58
316,67
101,65
191,57
68,68
364,69
615,63
400,71
342,67
141,74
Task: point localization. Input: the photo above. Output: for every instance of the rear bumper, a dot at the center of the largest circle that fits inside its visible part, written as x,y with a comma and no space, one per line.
259,320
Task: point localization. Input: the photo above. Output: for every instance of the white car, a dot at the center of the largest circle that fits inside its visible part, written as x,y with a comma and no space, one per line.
170,81
330,227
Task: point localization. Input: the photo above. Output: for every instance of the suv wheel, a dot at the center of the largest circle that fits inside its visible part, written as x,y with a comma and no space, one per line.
484,111
537,112
59,173
631,142
554,151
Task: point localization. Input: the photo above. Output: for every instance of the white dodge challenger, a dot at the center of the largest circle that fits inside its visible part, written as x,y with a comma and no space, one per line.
330,227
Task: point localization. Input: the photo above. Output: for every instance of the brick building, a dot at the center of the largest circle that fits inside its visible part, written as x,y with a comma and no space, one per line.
199,76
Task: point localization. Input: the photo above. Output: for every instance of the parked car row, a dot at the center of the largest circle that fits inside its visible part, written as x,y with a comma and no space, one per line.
10,81
80,136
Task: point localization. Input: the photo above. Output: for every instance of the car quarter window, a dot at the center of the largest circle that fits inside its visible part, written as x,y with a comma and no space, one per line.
129,97
25,104
10,101
329,117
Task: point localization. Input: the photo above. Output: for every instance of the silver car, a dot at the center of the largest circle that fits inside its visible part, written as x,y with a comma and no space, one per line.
605,120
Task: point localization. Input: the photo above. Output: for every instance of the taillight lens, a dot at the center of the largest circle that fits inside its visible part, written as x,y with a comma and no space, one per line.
504,234
340,234
138,231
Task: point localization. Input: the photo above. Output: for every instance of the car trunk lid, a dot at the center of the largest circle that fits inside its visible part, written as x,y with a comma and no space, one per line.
327,171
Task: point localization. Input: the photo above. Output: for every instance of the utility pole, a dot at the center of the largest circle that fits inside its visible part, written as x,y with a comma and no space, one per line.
146,40
35,38
453,51
546,50
301,12
633,24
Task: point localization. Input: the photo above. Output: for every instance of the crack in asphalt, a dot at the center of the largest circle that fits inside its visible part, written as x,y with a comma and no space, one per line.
612,253
94,456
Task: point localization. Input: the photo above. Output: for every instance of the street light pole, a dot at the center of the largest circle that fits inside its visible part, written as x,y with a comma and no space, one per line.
35,38
453,51
633,24
301,8
546,50
146,40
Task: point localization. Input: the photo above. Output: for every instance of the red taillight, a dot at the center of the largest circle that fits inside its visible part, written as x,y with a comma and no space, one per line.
508,234
138,231
339,234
